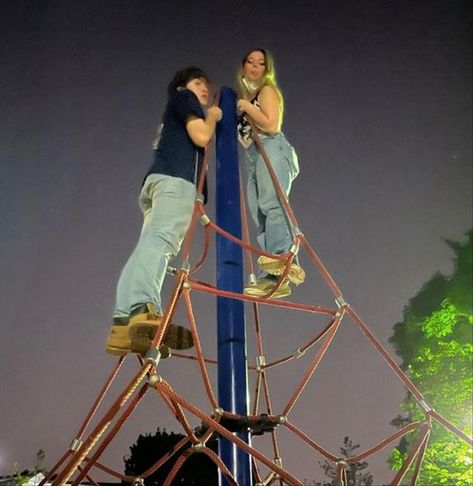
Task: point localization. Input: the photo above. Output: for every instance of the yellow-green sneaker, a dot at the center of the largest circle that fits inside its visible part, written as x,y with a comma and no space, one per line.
263,287
275,266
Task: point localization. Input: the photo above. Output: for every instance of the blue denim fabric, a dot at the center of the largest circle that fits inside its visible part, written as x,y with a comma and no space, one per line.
274,232
167,204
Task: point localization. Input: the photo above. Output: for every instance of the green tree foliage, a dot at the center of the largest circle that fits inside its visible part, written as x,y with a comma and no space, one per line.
22,477
356,476
434,340
198,470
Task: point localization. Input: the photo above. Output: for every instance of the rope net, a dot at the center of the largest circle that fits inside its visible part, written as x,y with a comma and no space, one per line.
86,449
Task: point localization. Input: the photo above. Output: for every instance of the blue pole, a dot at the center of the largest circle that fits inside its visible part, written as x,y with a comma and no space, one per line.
231,335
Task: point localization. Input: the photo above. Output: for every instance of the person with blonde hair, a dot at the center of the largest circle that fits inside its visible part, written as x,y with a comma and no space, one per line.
261,102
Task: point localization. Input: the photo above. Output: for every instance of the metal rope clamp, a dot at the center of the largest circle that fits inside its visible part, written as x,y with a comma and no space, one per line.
153,356
204,219
75,445
185,267
260,363
341,302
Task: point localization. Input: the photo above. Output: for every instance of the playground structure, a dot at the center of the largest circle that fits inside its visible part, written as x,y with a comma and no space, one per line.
230,419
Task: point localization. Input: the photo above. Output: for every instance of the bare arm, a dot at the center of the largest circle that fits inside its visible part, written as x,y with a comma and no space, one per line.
201,131
267,117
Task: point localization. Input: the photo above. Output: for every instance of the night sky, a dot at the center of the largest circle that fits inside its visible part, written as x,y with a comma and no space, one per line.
378,106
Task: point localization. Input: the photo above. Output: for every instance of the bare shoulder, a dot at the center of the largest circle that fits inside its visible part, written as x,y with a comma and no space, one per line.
268,92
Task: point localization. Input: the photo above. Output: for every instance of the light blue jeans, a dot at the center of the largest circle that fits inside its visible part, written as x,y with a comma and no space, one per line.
167,204
274,231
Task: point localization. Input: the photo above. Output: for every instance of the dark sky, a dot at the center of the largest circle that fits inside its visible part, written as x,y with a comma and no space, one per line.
378,106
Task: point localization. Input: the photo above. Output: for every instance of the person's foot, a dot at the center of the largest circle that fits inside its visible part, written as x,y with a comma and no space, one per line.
263,286
118,342
275,266
143,325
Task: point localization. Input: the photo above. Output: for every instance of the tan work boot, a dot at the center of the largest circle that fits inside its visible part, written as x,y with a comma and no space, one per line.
275,266
118,342
144,323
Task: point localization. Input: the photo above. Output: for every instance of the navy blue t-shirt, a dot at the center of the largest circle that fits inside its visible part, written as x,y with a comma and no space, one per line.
176,154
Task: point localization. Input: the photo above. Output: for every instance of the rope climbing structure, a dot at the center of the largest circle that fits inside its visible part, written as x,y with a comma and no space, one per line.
199,426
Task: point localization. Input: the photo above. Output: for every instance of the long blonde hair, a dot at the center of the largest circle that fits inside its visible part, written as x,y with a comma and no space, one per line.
269,78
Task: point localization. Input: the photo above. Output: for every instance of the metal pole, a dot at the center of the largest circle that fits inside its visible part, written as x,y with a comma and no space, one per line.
231,335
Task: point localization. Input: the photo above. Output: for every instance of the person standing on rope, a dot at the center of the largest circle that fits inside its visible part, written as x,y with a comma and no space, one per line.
262,103
167,201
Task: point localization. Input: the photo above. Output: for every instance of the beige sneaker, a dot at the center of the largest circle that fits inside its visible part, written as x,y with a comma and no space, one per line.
275,266
144,323
263,287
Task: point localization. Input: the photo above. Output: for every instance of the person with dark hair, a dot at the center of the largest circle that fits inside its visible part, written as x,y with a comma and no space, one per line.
166,200
261,102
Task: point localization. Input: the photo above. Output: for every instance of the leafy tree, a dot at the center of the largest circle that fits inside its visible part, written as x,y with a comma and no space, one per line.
198,470
355,476
22,477
434,340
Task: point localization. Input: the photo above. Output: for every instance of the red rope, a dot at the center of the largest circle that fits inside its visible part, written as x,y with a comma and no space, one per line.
178,405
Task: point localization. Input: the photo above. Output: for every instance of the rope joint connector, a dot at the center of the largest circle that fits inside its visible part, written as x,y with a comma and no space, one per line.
153,356
260,362
298,353
282,419
154,379
185,267
218,411
198,446
294,250
205,220
341,302
138,481
252,279
75,445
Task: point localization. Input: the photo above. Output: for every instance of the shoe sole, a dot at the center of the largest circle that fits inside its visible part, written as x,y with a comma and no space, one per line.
254,292
296,274
163,349
142,333
117,351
